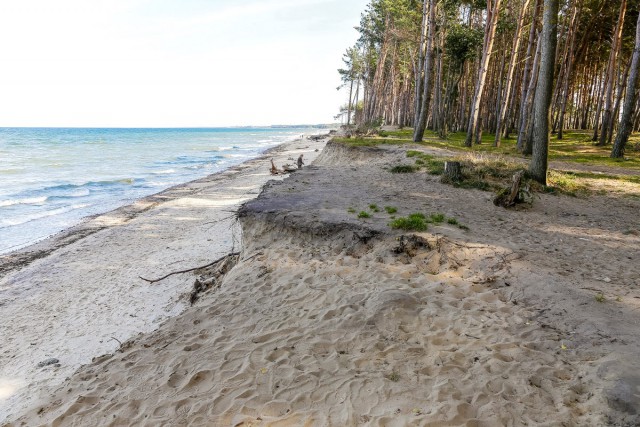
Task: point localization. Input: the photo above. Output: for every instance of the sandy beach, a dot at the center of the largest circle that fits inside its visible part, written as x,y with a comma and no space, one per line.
78,295
328,319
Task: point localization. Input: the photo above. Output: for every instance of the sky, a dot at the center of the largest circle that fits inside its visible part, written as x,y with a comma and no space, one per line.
173,63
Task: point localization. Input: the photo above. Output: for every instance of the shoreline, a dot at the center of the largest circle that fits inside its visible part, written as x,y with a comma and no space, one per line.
44,245
74,295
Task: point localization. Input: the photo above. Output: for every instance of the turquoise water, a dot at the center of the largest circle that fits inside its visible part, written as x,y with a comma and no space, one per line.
51,178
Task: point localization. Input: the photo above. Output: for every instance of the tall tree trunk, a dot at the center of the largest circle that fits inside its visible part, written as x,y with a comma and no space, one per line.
524,135
616,111
512,66
493,14
568,70
607,117
421,52
636,117
527,76
349,105
599,103
624,130
436,110
421,124
542,104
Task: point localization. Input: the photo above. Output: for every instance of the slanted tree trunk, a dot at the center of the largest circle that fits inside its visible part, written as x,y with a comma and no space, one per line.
626,124
493,13
421,124
542,103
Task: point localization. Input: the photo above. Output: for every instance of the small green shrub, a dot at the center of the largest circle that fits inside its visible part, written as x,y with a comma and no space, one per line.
390,210
374,208
403,169
413,222
364,214
452,221
600,297
437,218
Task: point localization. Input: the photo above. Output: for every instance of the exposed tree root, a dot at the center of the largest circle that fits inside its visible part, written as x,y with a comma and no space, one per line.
223,266
189,269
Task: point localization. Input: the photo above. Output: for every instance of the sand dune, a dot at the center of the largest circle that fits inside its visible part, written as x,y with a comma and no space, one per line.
331,320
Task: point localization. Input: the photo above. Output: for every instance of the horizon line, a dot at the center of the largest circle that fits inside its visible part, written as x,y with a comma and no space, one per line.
176,127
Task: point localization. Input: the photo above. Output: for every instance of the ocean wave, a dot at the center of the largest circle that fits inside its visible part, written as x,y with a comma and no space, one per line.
36,216
160,184
25,201
187,160
78,192
164,172
64,187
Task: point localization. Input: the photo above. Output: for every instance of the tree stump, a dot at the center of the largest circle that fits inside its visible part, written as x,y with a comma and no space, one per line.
452,171
510,196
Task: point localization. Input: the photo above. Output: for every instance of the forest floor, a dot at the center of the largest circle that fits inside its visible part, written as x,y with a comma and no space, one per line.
331,316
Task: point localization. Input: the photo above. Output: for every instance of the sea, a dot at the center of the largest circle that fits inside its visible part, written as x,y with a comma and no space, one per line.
52,178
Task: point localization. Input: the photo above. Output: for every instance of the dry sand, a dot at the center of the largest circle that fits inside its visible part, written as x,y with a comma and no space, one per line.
331,320
74,296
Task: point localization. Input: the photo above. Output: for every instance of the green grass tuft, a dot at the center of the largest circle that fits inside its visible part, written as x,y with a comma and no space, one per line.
390,209
364,214
437,218
413,222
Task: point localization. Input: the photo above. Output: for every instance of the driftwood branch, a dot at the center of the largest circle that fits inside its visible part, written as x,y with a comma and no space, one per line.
189,269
